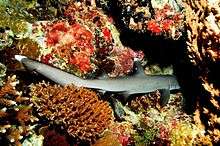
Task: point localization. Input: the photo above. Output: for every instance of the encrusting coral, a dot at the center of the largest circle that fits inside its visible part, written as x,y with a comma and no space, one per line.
79,110
15,113
202,22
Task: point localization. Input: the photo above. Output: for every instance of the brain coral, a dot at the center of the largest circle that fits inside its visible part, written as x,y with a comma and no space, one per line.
78,109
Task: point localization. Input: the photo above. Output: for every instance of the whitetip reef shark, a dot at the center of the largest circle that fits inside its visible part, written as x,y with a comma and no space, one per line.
139,83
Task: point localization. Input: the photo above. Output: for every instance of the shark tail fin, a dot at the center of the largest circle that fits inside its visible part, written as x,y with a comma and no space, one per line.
164,96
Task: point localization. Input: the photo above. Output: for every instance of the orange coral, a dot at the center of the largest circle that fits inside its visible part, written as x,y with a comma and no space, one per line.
79,109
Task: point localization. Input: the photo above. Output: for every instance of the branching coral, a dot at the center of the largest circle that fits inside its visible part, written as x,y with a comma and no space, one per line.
79,109
15,113
202,21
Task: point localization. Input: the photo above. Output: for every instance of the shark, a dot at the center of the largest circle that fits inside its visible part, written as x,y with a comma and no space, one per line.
138,83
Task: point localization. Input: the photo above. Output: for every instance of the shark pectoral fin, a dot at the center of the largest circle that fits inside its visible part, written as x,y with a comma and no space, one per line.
102,91
118,108
164,96
125,95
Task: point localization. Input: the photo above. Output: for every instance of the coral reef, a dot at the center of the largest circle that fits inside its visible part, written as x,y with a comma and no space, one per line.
123,131
48,10
79,110
83,44
80,38
143,103
15,114
119,134
202,22
157,17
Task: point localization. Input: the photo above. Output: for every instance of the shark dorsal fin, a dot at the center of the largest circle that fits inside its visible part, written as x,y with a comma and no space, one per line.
103,76
139,69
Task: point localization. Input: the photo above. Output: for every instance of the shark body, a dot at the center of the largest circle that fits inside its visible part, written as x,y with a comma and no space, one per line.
135,84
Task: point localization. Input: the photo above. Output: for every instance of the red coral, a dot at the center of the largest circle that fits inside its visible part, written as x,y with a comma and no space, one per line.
82,61
54,33
163,132
166,24
52,38
124,140
73,43
59,26
45,59
154,27
107,34
163,20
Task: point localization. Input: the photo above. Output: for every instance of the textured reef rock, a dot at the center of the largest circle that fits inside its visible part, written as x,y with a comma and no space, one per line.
202,21
79,110
15,114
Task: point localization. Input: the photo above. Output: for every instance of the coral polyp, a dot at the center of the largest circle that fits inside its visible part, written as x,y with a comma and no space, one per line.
80,110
